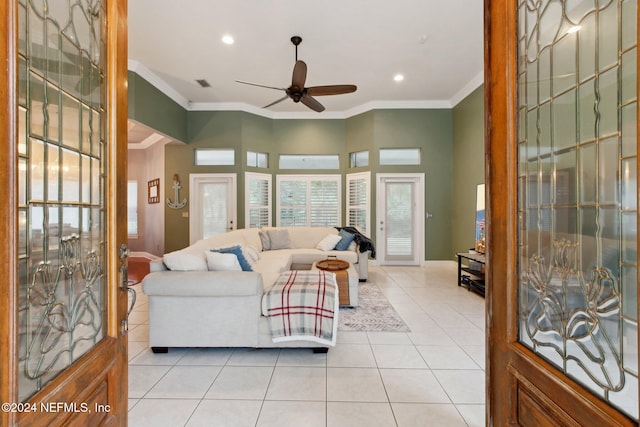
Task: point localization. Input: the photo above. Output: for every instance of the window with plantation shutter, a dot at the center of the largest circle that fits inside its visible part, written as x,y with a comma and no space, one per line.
258,200
358,196
309,200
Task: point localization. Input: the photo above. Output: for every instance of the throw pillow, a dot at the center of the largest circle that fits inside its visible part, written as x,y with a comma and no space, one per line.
185,261
279,239
251,253
264,240
217,261
237,251
329,242
345,240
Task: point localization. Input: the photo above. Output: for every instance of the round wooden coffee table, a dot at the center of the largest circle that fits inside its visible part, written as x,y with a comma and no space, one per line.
332,265
339,268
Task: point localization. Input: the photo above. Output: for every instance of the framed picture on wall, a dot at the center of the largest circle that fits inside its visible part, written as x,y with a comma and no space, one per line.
154,191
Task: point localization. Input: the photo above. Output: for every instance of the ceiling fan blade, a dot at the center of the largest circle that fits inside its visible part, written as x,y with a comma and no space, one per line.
311,103
275,102
255,84
299,75
331,90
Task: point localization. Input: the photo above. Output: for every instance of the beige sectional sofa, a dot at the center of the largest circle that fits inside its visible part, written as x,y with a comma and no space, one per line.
191,306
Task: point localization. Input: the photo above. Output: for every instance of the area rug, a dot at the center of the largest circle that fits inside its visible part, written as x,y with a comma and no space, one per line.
374,313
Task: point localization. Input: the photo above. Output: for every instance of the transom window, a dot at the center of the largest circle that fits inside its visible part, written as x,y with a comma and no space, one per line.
215,157
309,161
399,156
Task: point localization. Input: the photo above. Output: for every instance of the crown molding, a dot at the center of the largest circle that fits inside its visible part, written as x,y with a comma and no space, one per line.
147,142
162,86
473,84
158,83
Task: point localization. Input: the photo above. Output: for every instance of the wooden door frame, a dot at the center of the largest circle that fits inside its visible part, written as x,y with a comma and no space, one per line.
510,365
8,195
109,362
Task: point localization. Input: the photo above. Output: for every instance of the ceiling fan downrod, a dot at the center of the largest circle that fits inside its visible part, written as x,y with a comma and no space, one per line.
296,40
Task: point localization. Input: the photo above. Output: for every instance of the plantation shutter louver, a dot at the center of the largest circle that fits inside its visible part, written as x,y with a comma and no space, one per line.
309,200
358,185
258,200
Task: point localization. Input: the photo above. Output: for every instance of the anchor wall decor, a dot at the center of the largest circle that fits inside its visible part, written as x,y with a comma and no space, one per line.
176,187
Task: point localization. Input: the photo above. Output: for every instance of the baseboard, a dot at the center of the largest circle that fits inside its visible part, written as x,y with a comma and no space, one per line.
142,254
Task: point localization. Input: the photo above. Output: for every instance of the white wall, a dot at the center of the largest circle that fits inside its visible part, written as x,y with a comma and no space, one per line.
145,165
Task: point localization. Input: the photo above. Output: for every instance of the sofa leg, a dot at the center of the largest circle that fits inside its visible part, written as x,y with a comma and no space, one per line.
157,350
320,350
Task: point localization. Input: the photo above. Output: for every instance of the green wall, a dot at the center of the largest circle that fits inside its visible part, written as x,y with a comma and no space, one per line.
153,108
429,130
451,142
468,168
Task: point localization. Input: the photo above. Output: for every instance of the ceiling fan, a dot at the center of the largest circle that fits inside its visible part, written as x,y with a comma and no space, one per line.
298,93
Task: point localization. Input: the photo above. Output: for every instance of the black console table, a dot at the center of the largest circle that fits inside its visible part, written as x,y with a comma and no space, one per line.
474,265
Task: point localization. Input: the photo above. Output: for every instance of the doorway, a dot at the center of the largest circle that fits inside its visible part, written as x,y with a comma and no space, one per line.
212,209
400,232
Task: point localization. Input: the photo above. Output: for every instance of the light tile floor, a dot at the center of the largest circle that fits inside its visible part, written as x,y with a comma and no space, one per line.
431,376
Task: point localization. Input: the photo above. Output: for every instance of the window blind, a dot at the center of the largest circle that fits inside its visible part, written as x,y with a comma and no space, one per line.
309,200
258,200
358,195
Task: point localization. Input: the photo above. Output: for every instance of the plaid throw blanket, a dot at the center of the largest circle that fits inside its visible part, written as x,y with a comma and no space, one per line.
303,305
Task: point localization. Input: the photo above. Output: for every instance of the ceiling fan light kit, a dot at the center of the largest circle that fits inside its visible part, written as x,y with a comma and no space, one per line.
298,92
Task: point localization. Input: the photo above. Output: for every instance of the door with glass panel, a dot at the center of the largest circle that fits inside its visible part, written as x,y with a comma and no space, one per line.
212,209
561,150
64,296
400,210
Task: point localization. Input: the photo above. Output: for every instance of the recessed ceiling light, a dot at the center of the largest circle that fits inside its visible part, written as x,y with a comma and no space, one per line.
398,77
227,39
574,29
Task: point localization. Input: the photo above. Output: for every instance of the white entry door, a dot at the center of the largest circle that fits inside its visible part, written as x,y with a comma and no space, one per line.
212,209
400,219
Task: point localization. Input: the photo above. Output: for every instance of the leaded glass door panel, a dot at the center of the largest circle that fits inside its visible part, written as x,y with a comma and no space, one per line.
562,213
65,317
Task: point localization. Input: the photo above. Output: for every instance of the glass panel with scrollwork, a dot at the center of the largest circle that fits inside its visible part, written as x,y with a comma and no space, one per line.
61,134
577,191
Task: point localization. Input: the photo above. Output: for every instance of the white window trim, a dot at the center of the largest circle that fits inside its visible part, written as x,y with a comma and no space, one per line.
330,177
137,233
357,176
260,176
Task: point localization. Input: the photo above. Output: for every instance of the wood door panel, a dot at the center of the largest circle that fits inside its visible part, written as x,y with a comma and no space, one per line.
523,388
99,377
78,387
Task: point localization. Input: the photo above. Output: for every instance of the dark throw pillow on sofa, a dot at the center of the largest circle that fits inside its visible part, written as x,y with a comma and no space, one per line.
346,240
237,251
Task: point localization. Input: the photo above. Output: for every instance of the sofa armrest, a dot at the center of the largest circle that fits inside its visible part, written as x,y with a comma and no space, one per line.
363,266
157,265
203,283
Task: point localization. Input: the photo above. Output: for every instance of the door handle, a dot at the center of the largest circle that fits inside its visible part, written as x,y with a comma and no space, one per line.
123,274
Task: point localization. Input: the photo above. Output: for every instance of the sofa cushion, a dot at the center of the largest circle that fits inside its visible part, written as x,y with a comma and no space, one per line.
309,256
217,261
308,237
237,251
251,253
329,242
185,260
202,284
273,262
345,240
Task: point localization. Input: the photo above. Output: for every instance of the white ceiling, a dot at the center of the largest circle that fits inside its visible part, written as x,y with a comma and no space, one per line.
436,44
